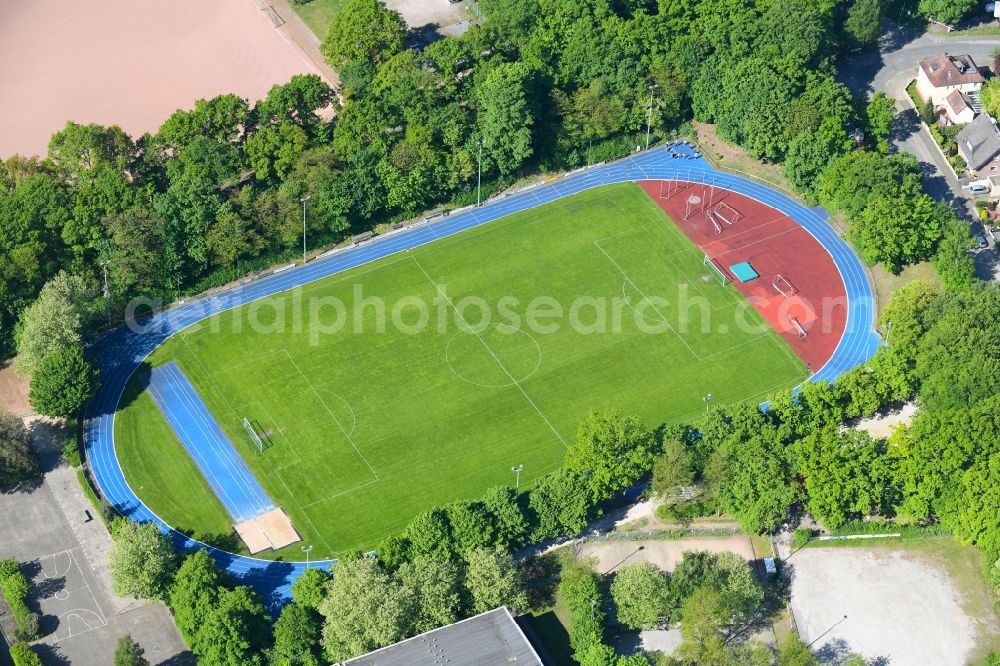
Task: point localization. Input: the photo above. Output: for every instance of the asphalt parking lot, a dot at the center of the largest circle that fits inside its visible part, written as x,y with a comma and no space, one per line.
82,619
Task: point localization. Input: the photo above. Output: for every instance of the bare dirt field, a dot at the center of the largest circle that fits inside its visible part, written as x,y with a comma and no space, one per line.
883,425
131,63
912,603
13,390
664,553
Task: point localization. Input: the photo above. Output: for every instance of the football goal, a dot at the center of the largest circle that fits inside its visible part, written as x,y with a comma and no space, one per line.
254,436
719,274
669,188
727,213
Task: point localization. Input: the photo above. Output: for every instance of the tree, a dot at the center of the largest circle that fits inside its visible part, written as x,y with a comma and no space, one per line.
63,384
955,360
296,637
754,482
672,469
989,96
471,526
18,460
273,151
797,30
793,652
129,653
56,321
807,158
749,102
952,261
429,533
846,475
309,589
612,451
140,260
642,596
30,243
696,569
864,21
856,177
560,504
296,103
221,118
879,114
508,518
703,615
364,610
436,587
235,631
506,116
898,230
927,114
580,588
193,593
141,561
740,590
946,11
492,579
363,30
77,149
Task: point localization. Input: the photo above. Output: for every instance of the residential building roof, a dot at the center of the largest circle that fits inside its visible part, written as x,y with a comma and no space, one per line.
492,637
957,102
979,141
950,70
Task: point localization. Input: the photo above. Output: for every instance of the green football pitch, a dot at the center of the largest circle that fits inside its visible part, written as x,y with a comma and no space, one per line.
370,419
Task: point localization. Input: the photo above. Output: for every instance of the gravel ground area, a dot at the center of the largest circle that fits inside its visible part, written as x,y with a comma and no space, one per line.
664,553
886,603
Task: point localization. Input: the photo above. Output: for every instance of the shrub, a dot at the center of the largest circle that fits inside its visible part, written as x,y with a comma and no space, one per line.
801,537
71,452
22,655
29,628
15,589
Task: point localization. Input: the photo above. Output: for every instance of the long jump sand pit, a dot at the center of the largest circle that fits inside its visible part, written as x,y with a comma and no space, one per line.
907,604
272,530
129,63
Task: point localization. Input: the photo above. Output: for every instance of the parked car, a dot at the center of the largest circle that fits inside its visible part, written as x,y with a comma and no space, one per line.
981,241
977,188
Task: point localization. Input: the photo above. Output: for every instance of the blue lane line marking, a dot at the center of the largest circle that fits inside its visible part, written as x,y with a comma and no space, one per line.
226,472
122,350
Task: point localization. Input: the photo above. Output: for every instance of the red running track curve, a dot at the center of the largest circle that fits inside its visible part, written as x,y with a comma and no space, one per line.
774,244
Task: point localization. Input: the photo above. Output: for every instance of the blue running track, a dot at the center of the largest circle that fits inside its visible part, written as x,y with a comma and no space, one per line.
226,472
121,351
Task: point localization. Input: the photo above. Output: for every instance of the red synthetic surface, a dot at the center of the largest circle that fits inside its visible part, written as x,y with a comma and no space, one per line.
774,244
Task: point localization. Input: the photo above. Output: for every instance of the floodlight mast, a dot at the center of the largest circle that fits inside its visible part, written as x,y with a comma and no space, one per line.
304,200
649,114
517,478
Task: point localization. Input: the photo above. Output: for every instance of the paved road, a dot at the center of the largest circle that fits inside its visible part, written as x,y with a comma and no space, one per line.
890,69
42,525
